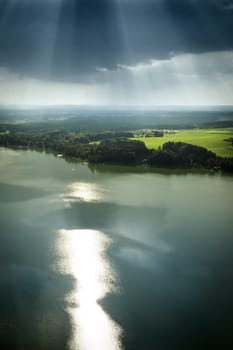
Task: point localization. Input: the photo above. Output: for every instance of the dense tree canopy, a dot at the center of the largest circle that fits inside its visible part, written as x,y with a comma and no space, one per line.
116,148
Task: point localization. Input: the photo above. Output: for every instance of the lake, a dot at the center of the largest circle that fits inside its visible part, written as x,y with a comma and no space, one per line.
111,258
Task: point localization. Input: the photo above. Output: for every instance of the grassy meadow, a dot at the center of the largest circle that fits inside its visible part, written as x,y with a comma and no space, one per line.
212,139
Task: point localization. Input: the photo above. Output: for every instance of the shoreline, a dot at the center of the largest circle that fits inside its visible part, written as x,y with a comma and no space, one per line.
125,168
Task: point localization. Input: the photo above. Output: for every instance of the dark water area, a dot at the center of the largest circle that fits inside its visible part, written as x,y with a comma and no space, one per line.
113,258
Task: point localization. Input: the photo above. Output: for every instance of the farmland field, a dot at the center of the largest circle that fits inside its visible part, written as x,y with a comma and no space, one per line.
212,139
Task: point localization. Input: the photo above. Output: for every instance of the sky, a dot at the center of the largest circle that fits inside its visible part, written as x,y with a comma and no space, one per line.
116,52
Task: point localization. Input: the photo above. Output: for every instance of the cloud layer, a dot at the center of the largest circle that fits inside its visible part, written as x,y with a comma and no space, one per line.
186,79
68,40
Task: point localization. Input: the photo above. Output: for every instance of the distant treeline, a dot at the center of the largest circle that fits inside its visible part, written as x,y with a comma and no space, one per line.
93,137
97,120
115,148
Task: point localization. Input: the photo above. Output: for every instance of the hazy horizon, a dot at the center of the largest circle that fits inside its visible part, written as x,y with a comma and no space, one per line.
118,107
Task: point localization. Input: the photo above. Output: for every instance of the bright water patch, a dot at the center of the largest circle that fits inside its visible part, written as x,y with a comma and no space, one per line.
82,253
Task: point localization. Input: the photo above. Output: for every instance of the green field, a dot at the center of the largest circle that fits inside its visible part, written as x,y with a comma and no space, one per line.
212,139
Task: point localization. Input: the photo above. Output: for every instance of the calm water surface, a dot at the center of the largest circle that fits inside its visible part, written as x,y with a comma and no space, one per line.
110,258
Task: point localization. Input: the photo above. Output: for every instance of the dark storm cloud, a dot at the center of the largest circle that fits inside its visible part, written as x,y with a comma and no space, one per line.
69,39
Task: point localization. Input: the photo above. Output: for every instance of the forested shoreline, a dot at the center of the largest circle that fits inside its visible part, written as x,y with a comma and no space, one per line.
116,148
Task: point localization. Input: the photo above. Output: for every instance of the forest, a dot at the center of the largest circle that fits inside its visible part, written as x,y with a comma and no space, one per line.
112,147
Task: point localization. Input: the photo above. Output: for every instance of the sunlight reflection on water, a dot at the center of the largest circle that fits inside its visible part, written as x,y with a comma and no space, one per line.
82,254
84,191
